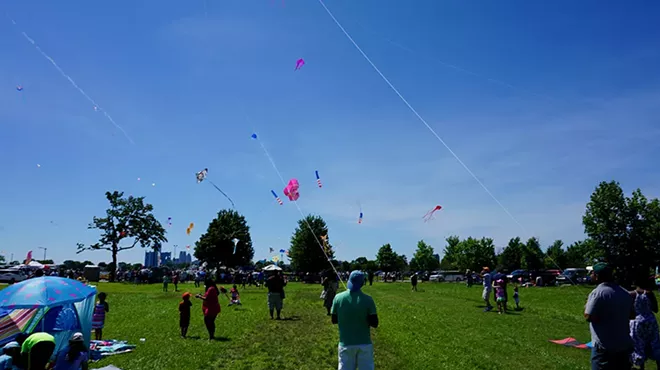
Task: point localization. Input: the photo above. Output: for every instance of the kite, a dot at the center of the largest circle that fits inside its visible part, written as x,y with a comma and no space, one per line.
276,197
299,63
429,215
291,190
201,175
254,136
235,244
360,218
169,221
318,179
19,87
190,227
286,252
38,165
275,259
270,250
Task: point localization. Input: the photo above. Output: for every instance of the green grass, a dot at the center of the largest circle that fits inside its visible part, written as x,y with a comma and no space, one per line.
442,326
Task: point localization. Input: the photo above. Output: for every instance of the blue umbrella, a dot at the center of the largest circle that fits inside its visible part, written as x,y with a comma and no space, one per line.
47,291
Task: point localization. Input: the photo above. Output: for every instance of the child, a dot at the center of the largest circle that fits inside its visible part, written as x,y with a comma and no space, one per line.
184,314
166,279
516,297
98,317
500,295
235,298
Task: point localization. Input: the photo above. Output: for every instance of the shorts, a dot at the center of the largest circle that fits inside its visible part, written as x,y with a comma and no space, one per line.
274,301
359,356
501,299
486,294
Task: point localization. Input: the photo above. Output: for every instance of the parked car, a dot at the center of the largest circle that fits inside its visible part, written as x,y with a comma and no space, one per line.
437,277
572,276
456,276
517,274
11,276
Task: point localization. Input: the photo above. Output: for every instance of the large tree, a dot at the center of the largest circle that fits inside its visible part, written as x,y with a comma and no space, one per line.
128,220
216,246
555,256
625,230
511,256
308,243
532,258
387,259
582,253
451,253
423,258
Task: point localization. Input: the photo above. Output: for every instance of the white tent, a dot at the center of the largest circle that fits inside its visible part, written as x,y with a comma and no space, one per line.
272,268
35,264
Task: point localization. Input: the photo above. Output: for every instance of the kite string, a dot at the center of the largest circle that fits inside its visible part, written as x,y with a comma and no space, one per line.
414,111
223,193
272,162
73,83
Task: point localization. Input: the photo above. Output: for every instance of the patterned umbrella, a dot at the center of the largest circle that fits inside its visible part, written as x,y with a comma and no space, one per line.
44,291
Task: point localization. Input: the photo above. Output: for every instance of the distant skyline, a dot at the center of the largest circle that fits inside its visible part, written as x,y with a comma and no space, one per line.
540,100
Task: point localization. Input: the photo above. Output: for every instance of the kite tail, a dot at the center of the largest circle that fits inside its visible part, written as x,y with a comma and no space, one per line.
223,193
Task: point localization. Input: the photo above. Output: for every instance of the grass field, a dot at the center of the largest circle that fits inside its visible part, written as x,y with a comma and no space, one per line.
442,326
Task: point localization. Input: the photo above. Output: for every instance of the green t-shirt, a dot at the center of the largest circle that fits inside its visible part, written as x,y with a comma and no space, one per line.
352,309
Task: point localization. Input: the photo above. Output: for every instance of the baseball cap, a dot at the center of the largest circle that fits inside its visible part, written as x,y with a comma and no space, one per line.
77,337
600,267
356,281
11,345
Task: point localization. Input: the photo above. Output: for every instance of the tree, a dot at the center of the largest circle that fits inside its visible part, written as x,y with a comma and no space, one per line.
555,256
532,258
216,246
102,265
305,252
126,219
511,256
581,253
625,231
387,259
359,263
345,266
423,258
402,263
451,253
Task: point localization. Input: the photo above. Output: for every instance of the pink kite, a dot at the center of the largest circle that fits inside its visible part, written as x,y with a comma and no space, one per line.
299,64
429,215
291,190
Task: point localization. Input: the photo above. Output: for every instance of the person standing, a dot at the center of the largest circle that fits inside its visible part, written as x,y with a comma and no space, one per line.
210,306
355,314
330,287
644,328
608,311
468,278
275,285
370,275
413,282
488,287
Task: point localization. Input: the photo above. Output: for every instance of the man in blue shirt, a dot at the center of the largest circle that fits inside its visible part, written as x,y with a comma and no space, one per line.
355,314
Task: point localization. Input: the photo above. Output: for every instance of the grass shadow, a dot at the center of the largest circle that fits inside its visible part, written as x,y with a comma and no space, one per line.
291,318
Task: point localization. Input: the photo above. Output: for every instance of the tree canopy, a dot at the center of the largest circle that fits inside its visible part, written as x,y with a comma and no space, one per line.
423,259
128,220
624,230
216,247
470,253
305,253
387,259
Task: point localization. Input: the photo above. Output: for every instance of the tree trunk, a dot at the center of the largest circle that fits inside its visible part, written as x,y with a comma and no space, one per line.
113,272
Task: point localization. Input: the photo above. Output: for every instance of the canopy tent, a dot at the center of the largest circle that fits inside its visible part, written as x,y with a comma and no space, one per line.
51,304
272,268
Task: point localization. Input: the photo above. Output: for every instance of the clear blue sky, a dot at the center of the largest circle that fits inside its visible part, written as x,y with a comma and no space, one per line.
542,100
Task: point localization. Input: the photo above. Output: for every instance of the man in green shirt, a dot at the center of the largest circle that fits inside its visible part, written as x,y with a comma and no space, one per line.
355,314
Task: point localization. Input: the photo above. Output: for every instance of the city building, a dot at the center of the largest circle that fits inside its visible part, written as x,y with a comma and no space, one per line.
437,256
165,257
151,259
183,258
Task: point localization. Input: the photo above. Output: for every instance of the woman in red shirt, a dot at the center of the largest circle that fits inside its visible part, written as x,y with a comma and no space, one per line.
210,306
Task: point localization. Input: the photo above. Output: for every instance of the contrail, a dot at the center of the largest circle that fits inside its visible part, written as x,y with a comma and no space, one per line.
74,84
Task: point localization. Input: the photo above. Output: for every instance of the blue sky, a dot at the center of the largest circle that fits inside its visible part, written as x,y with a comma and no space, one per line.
542,100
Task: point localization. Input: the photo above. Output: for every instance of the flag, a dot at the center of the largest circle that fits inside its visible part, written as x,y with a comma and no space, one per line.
28,259
270,250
